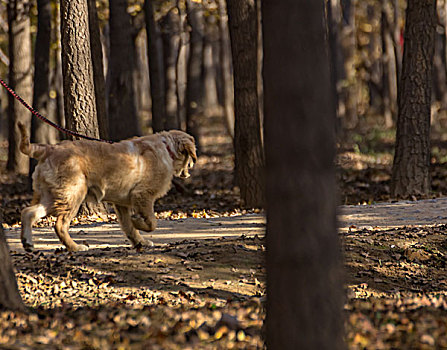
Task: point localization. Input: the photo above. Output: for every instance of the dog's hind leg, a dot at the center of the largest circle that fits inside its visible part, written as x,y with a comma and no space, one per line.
61,228
125,221
64,218
30,216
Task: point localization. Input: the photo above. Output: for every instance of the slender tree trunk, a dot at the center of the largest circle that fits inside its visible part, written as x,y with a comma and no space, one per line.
156,68
210,100
194,86
225,68
98,70
20,79
336,63
171,41
57,79
411,168
123,119
348,43
10,298
304,285
249,154
439,72
40,132
387,97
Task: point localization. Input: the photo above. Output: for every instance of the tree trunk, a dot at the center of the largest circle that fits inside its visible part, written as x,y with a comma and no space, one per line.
304,285
57,79
411,168
194,85
156,68
77,68
41,132
98,70
171,41
225,68
210,100
336,62
348,45
249,154
20,79
389,73
123,119
10,298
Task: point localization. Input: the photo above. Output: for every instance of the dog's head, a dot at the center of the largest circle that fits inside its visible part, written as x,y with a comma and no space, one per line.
185,152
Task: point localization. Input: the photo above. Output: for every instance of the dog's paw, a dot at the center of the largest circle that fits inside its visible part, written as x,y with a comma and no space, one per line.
143,244
78,248
142,223
29,247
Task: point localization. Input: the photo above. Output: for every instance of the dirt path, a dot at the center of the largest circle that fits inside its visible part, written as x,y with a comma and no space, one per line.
398,214
101,235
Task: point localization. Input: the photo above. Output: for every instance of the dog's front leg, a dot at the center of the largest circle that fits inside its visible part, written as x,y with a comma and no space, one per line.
143,217
29,217
123,214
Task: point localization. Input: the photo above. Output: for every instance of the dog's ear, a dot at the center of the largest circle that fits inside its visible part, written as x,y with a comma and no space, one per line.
190,148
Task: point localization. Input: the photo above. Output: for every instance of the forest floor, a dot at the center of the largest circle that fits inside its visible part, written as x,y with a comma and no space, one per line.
203,284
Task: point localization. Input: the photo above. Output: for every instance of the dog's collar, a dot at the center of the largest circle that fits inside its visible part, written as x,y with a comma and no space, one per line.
169,150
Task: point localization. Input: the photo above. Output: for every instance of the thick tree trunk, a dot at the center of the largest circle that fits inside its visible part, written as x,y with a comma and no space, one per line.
20,79
77,69
10,298
171,40
98,70
249,154
194,86
304,286
411,168
156,68
123,120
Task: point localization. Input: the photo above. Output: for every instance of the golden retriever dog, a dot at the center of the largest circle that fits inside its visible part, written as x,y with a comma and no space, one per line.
129,174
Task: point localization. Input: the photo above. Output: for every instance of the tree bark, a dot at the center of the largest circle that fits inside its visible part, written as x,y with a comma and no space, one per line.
170,25
98,70
10,298
411,168
77,68
20,79
348,44
249,153
156,68
123,119
194,85
304,285
41,132
225,68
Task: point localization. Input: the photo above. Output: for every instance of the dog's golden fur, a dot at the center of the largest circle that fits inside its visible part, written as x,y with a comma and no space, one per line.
130,174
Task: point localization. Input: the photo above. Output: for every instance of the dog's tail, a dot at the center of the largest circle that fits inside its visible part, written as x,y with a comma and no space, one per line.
30,149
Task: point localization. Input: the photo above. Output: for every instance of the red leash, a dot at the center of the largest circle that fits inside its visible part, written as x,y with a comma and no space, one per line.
49,122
